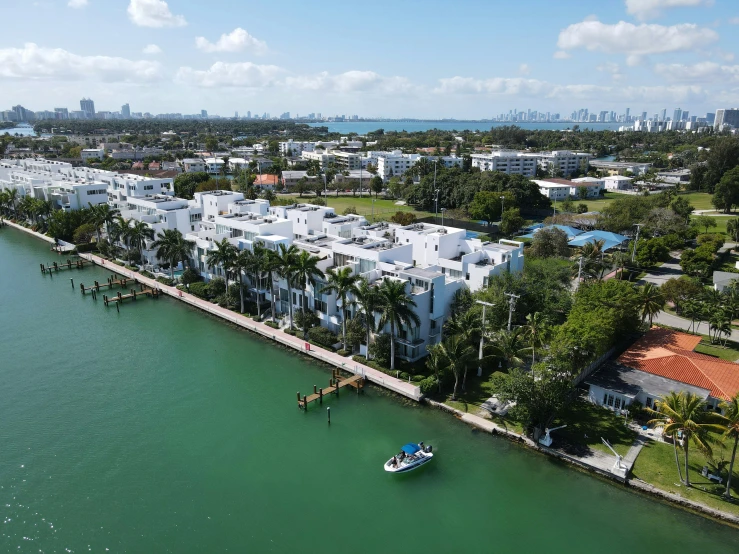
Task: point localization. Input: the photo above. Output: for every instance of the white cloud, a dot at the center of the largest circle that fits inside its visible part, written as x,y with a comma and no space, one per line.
649,9
561,55
734,20
635,41
236,41
496,85
702,72
524,69
36,63
244,74
76,4
152,49
351,81
153,13
613,68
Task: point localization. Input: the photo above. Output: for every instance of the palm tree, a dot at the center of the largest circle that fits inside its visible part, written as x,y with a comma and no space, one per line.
11,198
258,263
241,264
369,304
731,424
285,265
102,215
223,256
172,247
397,310
651,302
536,331
121,230
456,355
4,203
592,259
270,266
510,346
719,323
435,362
138,233
686,413
305,271
692,310
468,326
343,283
620,259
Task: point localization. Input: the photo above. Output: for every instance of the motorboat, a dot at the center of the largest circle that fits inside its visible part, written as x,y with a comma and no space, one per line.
411,456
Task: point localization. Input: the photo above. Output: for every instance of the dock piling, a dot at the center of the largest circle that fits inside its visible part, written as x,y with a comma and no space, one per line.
328,411
72,281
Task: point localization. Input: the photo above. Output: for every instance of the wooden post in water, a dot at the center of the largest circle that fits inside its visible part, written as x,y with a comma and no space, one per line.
328,411
72,281
320,396
298,399
305,402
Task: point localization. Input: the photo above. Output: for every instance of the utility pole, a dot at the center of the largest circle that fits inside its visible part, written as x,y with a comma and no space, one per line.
511,305
579,271
502,209
633,252
482,334
436,204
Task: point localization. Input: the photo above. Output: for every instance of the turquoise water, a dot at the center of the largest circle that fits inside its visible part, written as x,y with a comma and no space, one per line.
162,429
362,127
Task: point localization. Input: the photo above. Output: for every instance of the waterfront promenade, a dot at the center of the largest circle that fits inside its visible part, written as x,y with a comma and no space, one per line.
409,390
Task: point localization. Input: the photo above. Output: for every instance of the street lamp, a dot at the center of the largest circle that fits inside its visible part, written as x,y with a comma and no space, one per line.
436,209
482,333
442,216
502,208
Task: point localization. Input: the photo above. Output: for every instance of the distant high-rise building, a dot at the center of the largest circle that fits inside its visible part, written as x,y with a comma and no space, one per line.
61,113
677,115
87,106
710,118
663,114
236,115
686,115
724,117
248,115
126,111
644,116
204,114
22,114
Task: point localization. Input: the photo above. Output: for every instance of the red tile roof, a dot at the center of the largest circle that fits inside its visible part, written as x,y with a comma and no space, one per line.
670,354
266,179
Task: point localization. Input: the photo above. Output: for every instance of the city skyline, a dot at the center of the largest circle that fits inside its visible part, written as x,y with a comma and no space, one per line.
179,57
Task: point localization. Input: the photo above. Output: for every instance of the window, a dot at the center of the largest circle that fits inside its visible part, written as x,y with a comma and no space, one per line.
649,402
436,248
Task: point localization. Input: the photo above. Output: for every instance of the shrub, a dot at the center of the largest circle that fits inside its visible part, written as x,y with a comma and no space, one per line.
316,202
199,289
84,233
217,286
306,319
673,241
165,281
342,352
582,208
290,331
189,276
429,385
380,349
404,376
86,247
147,274
403,218
271,324
322,336
350,210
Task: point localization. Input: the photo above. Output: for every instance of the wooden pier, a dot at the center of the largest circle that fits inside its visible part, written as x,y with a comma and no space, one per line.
132,295
334,385
110,283
55,267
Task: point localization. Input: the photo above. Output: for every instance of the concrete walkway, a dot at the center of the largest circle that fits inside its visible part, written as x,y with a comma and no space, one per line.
408,390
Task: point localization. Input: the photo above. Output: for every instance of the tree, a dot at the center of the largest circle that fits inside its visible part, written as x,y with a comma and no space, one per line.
548,243
376,185
271,266
285,264
682,207
697,262
84,233
305,271
102,215
343,283
223,255
468,326
510,346
368,301
680,290
397,310
731,424
536,332
511,221
732,228
651,302
651,251
242,262
172,247
686,413
487,206
705,221
138,233
456,355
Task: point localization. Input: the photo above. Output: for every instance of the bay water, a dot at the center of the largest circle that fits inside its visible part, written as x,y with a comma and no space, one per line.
162,429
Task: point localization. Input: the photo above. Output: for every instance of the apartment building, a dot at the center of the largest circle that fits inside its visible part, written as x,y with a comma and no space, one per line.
193,165
511,162
563,162
92,154
346,161
323,157
562,189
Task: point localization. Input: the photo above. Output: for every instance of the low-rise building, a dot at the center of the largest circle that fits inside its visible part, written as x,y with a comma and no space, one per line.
193,165
620,168
617,182
92,154
511,162
563,162
562,189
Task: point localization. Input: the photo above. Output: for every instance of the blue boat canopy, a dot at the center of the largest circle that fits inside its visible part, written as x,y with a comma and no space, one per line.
411,448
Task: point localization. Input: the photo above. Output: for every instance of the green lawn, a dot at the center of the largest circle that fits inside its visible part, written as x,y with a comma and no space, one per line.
699,200
656,465
586,424
730,352
383,208
721,222
598,205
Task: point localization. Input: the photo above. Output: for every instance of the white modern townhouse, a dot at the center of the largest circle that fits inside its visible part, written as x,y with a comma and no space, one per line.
511,162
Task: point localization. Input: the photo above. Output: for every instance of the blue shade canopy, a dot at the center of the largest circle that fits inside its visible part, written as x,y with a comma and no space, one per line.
411,448
611,240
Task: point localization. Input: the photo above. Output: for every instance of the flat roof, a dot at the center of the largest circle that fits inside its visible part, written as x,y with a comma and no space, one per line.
421,272
630,382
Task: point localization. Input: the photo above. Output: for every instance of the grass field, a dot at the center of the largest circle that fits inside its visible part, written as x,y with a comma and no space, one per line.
587,423
721,222
656,465
383,209
730,352
699,200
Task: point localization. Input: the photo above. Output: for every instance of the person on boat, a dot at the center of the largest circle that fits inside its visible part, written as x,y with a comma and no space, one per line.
394,462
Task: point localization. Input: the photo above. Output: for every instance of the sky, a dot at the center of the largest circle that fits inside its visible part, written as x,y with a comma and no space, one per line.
411,58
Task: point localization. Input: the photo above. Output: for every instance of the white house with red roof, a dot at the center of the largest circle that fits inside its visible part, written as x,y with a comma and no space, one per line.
660,362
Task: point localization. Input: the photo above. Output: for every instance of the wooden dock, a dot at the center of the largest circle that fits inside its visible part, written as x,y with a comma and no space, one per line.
132,295
110,283
55,267
334,385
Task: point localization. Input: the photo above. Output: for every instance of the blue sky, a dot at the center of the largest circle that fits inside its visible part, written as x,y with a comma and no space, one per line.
466,59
